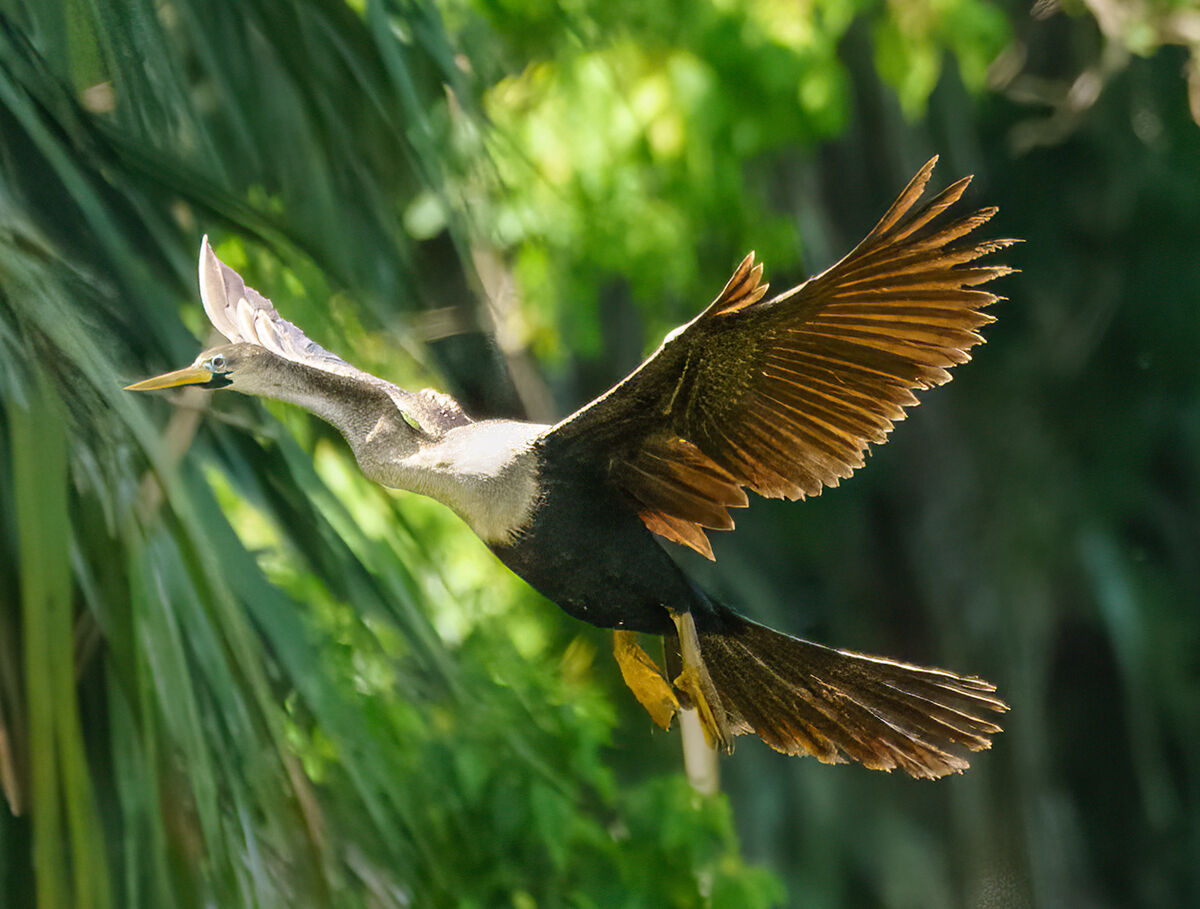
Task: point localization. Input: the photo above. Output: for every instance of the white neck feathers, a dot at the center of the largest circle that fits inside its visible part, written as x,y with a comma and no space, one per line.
486,472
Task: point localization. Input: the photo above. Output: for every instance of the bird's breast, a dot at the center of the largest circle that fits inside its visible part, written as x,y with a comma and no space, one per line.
487,473
499,506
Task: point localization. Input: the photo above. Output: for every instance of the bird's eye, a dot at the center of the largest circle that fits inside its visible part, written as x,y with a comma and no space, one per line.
217,363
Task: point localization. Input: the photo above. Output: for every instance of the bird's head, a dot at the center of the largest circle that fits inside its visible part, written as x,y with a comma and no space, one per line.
272,358
243,367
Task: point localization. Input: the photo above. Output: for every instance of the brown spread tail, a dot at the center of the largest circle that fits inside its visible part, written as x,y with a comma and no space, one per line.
804,698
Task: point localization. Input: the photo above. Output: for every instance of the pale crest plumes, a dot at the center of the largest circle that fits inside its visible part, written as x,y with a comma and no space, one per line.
243,315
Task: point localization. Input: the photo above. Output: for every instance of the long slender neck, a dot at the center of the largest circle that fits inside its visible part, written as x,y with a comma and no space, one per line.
356,408
485,472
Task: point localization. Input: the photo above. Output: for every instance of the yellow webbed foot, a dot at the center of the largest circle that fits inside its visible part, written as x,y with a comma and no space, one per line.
645,679
695,682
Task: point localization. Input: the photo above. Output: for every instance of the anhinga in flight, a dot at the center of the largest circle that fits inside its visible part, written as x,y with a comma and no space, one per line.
778,395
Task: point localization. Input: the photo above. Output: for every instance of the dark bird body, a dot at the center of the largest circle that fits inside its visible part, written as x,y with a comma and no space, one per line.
781,396
586,550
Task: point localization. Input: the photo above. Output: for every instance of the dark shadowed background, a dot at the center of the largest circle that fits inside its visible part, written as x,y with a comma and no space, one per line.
234,673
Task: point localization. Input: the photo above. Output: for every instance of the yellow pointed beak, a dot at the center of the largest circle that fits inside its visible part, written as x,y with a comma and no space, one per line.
191,375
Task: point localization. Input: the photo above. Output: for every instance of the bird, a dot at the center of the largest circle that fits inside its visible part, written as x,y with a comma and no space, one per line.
781,396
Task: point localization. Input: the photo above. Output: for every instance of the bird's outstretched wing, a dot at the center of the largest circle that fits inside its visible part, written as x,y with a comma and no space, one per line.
245,316
783,396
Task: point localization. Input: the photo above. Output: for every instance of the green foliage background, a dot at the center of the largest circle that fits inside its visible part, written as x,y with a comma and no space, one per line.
234,673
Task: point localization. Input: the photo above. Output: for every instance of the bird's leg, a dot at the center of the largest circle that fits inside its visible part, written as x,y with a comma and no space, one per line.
697,685
645,679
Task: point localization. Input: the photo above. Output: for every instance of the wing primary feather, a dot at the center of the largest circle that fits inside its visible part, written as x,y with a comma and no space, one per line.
889,258
851,426
928,280
884,407
915,258
908,196
932,210
838,378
